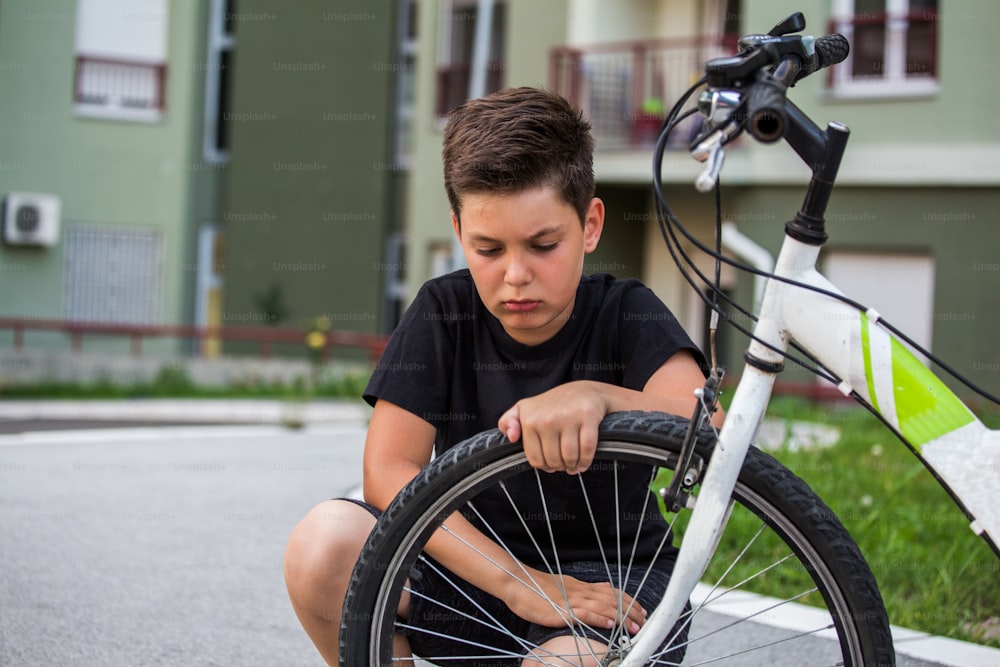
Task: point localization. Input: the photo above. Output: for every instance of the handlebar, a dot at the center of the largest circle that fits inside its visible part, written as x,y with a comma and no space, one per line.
766,66
766,97
748,91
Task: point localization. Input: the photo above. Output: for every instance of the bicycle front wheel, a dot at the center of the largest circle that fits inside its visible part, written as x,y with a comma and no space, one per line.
780,539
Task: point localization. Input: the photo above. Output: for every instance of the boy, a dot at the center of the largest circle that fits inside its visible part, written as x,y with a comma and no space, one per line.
521,341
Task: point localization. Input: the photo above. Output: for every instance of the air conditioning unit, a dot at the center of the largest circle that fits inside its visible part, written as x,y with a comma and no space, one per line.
31,218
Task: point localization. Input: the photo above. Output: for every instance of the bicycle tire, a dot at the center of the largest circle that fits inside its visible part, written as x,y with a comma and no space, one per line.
791,517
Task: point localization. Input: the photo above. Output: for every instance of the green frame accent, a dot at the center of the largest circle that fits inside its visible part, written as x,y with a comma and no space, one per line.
925,407
869,372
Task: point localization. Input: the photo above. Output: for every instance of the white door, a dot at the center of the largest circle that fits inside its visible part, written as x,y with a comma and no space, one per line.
899,286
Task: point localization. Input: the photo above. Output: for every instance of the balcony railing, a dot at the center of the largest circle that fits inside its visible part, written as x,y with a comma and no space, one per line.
265,337
119,89
626,88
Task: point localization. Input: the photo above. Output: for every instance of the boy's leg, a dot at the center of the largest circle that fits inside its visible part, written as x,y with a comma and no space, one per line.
568,651
319,558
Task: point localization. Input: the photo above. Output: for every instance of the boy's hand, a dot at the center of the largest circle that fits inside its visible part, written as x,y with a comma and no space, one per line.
558,428
596,605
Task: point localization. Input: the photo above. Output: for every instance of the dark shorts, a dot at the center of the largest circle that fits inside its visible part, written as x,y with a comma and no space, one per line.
443,607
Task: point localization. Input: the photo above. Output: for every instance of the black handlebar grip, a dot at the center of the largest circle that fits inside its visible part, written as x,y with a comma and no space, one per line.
831,49
766,116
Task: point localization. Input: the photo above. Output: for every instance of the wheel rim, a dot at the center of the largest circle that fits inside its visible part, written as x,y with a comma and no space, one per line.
388,595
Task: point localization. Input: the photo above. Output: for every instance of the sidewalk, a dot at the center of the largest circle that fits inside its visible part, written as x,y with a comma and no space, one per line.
190,411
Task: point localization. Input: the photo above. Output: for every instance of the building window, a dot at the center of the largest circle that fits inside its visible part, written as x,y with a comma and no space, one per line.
120,67
900,286
725,16
112,275
893,47
406,80
218,80
456,52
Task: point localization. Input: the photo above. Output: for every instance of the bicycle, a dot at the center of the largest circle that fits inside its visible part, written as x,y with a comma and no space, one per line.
714,480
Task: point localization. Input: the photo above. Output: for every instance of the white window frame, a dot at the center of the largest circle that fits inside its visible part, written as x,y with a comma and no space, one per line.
120,50
219,41
446,10
407,58
896,82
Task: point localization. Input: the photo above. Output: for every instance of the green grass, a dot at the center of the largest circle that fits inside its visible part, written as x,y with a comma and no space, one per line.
173,382
934,573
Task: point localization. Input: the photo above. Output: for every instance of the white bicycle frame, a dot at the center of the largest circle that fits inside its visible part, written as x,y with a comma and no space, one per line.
959,450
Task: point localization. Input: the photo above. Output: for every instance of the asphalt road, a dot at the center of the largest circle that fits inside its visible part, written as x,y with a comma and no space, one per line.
163,545
160,547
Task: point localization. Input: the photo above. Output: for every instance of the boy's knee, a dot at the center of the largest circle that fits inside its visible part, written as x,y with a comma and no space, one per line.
326,543
584,652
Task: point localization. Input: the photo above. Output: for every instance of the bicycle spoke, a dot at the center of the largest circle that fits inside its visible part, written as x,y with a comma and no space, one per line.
530,648
568,615
618,630
497,652
708,599
828,567
739,557
535,589
757,648
495,623
753,576
754,615
559,572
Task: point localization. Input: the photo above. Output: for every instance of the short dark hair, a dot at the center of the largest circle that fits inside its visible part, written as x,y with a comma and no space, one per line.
517,139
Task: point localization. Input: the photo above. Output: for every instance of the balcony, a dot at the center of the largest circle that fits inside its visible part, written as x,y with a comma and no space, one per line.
453,84
627,88
119,89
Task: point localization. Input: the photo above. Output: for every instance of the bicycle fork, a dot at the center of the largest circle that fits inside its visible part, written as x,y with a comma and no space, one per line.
714,500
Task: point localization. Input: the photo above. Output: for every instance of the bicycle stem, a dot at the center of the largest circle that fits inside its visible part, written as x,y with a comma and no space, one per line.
822,150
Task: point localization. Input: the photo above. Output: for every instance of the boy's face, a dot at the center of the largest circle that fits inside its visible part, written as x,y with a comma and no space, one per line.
525,252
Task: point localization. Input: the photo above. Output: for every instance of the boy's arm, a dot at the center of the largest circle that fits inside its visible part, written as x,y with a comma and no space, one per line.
559,427
398,446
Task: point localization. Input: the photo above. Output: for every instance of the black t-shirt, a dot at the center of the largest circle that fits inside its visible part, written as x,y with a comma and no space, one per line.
451,363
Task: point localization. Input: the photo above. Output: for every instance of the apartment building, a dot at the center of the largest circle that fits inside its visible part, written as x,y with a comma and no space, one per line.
210,163
101,164
912,223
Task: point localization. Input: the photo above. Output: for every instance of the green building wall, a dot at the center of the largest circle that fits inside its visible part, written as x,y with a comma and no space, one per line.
106,173
311,179
956,227
958,112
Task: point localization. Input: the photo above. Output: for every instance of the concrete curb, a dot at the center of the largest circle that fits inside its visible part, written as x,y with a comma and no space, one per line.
801,618
233,411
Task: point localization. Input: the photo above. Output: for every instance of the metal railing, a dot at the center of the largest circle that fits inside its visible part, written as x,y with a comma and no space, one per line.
626,88
105,86
265,337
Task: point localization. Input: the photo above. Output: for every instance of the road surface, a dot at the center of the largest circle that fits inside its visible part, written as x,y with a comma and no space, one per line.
162,545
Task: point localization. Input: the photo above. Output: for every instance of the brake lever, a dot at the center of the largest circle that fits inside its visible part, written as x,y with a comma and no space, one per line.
709,150
714,160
